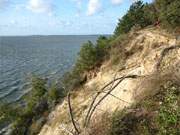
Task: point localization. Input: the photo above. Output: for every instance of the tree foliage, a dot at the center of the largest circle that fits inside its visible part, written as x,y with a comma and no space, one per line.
87,57
37,102
136,15
55,93
140,14
102,47
169,12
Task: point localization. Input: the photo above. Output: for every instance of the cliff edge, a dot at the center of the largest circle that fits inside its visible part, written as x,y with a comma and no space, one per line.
152,58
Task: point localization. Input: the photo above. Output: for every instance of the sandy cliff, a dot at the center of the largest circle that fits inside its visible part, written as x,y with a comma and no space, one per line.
155,56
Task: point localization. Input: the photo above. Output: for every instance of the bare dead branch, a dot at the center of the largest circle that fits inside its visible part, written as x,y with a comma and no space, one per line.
71,114
107,89
95,97
117,98
92,109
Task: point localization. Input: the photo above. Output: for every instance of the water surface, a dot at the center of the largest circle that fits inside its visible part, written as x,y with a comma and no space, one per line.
46,56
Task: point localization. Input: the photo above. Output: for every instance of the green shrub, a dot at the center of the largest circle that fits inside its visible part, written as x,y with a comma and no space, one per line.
36,105
8,114
8,111
21,124
55,93
92,55
157,115
31,118
71,80
87,57
38,87
168,117
37,94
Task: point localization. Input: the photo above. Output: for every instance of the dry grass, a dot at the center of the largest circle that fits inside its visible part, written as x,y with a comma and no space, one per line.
149,85
100,125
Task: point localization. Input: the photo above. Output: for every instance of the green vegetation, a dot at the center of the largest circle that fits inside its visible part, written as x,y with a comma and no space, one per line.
7,114
140,15
30,119
92,55
136,16
55,93
87,57
165,12
155,115
168,12
158,115
102,48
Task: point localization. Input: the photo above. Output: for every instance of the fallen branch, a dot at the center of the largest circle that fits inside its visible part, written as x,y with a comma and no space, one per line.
93,107
94,99
117,98
71,114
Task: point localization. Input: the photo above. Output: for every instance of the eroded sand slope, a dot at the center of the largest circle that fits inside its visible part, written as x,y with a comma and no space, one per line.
147,46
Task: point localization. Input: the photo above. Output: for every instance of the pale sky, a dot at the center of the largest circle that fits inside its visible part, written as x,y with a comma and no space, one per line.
61,17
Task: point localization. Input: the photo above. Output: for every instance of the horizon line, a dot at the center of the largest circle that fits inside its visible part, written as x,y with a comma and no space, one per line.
55,35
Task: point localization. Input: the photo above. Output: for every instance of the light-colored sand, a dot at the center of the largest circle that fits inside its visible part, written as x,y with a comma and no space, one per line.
141,63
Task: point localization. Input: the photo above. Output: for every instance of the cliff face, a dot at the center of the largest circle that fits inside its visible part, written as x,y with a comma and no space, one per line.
154,58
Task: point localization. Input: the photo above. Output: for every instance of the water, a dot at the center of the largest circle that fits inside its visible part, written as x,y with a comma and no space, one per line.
46,56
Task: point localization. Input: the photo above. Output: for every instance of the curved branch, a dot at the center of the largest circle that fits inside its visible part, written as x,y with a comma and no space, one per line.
71,114
118,98
109,92
94,99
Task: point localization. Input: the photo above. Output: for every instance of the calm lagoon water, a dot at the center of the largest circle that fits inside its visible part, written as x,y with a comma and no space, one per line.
46,56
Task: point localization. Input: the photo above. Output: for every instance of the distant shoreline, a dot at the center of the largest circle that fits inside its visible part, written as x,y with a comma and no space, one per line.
53,35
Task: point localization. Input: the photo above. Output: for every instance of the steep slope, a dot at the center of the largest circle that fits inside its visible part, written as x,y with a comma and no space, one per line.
153,58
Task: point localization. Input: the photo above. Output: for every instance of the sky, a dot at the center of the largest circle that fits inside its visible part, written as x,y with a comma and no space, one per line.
61,17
